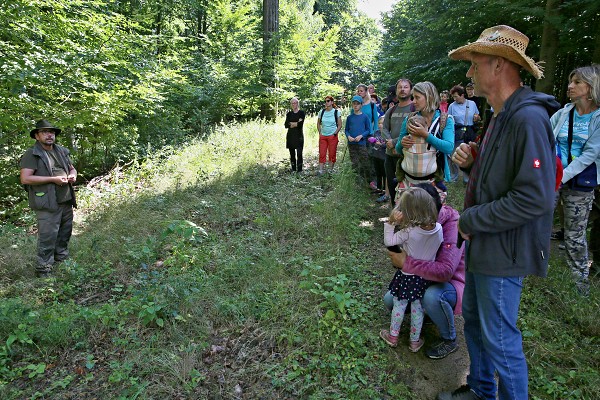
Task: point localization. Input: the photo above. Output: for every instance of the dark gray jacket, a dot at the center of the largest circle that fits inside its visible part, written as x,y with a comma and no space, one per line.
511,221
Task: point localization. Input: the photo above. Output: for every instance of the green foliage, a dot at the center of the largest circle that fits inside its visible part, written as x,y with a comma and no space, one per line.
19,336
419,35
124,79
152,313
307,50
358,49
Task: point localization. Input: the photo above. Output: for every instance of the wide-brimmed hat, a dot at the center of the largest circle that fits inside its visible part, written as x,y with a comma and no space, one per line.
43,124
503,41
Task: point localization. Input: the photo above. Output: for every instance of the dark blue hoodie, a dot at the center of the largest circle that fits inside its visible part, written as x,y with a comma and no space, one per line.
511,219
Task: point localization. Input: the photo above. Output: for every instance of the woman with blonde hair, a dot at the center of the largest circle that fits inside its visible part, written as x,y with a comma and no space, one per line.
577,131
437,132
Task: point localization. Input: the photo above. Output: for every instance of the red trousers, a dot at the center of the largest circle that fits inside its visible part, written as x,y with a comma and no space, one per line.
328,143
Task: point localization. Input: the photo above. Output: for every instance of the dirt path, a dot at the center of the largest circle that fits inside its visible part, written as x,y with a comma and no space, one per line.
428,377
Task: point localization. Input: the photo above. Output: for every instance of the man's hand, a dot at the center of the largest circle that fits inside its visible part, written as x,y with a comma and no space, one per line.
60,180
465,236
389,143
72,178
463,157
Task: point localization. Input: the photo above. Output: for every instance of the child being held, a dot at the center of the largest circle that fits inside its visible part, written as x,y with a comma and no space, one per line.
412,225
419,160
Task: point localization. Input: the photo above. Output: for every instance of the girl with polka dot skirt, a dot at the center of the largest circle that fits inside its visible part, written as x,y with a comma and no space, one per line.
412,228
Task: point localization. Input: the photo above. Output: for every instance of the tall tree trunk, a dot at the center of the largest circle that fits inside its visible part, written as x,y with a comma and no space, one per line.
158,29
549,49
202,21
270,29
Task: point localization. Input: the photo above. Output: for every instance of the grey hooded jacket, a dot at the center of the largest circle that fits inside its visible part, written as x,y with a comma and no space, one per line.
511,219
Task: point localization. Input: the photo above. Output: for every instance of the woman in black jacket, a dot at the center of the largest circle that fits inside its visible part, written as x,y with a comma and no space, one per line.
294,141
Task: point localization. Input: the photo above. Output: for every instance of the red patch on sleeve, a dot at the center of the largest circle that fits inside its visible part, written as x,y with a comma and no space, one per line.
536,163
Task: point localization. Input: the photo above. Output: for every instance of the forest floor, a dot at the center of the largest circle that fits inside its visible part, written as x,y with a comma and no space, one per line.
212,272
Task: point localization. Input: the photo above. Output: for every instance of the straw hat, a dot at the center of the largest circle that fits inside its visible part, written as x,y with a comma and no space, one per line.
503,41
43,124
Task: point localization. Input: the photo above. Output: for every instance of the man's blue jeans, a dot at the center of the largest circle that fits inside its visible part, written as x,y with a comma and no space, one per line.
490,310
438,302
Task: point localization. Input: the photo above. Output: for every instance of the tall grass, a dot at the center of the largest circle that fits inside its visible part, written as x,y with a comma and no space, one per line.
210,271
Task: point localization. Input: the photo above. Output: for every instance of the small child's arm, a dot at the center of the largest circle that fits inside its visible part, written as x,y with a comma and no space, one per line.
393,238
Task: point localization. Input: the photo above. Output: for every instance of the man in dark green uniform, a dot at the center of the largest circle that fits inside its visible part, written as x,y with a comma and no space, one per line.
48,174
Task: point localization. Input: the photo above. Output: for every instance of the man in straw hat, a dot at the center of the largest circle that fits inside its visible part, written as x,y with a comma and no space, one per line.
507,218
48,174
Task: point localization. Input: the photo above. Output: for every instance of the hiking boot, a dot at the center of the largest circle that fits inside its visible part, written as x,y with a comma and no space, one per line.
416,346
462,393
388,338
44,274
442,349
383,198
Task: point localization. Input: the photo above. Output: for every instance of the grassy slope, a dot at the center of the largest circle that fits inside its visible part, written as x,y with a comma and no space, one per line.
210,272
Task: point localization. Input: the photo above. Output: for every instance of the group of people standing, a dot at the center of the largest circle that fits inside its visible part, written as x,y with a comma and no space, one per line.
384,149
474,262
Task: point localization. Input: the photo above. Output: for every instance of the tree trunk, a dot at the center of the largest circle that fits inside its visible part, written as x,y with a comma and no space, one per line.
158,29
549,49
270,29
202,21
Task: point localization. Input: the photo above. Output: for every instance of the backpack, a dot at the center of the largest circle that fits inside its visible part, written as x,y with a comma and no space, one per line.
335,116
